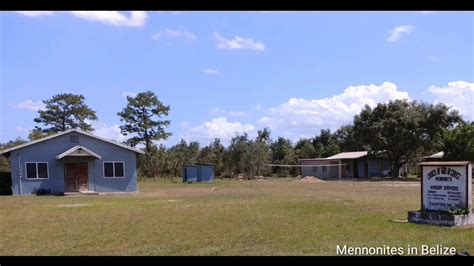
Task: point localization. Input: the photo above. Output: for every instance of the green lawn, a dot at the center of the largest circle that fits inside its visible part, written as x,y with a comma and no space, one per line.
272,217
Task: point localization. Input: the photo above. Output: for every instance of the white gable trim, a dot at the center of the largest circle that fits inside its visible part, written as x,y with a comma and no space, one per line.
68,131
72,152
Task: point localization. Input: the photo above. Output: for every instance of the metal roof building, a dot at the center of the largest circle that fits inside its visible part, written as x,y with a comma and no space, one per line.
354,164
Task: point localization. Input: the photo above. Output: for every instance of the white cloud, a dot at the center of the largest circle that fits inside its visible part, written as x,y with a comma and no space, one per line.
459,95
176,34
218,127
30,105
101,129
397,32
221,112
35,13
129,93
238,43
20,129
210,71
302,117
113,18
427,12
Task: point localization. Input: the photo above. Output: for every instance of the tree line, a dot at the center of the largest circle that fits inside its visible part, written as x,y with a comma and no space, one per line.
401,131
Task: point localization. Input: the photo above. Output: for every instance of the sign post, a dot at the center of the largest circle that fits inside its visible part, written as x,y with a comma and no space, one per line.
446,194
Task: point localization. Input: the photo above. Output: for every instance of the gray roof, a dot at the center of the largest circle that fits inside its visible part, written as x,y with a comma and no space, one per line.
341,156
348,155
446,163
437,155
68,131
81,149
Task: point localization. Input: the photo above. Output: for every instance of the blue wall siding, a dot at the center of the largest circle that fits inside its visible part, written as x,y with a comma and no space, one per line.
207,172
362,169
377,166
47,150
190,173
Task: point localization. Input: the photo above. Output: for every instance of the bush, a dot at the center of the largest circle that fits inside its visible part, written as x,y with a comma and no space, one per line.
457,211
141,178
47,192
43,192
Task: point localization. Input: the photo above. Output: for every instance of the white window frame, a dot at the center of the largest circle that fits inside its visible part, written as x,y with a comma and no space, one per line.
113,169
37,178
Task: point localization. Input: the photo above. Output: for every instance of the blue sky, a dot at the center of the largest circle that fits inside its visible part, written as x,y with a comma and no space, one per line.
227,72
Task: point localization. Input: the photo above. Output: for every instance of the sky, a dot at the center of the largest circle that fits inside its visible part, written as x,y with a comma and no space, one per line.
223,73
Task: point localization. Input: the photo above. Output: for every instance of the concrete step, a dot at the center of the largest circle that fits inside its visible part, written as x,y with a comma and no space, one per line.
79,193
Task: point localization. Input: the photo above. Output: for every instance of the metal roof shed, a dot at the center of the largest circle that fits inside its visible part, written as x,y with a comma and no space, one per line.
189,173
198,173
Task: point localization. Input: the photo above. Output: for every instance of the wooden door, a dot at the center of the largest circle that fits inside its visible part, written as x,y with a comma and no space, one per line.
76,176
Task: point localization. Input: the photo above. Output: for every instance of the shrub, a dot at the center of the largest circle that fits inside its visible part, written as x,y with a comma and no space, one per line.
454,211
43,192
47,192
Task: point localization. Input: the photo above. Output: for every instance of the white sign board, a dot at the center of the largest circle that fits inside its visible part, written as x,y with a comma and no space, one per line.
446,186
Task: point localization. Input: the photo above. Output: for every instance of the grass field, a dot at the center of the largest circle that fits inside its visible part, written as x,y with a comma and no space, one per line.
272,217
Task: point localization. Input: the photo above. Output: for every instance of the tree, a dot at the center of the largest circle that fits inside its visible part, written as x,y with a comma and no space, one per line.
260,153
345,139
39,134
65,111
400,129
246,156
181,154
283,153
153,163
326,143
178,155
142,117
263,136
459,143
4,162
193,152
214,153
235,155
304,149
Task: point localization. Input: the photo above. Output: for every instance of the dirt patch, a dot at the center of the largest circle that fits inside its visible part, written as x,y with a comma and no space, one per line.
402,184
73,205
399,221
310,179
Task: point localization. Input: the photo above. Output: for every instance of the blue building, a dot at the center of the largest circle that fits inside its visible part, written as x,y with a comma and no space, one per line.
72,161
198,173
